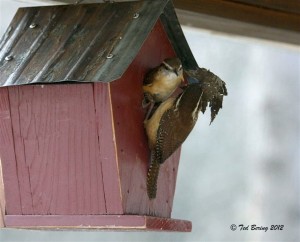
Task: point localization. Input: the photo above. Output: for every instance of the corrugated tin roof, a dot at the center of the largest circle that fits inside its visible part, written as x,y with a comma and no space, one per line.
83,43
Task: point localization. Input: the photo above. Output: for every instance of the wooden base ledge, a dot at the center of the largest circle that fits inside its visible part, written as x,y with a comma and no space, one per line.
97,222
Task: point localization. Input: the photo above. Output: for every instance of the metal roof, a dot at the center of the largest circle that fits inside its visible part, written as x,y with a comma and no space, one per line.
83,43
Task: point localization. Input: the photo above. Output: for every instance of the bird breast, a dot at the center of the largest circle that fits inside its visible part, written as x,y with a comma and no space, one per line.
163,85
152,124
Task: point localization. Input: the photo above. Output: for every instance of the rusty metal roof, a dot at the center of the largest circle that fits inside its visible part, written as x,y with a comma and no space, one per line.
83,43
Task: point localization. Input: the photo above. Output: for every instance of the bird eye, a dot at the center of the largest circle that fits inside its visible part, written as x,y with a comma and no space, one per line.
180,68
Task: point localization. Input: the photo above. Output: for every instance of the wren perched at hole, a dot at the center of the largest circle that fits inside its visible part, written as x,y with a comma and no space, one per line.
161,82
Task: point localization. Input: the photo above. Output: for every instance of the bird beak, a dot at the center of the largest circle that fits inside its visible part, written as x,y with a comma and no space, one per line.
184,83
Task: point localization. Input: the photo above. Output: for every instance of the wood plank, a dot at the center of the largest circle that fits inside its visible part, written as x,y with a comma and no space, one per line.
107,148
132,147
56,134
290,6
2,199
242,12
111,222
263,19
234,27
22,169
8,157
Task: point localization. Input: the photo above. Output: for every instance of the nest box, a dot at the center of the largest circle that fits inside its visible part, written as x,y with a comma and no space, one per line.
73,148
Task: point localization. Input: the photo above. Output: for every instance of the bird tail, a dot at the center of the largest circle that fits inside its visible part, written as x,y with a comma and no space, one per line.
152,177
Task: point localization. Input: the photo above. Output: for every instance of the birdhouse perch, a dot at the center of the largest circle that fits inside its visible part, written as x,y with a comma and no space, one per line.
73,148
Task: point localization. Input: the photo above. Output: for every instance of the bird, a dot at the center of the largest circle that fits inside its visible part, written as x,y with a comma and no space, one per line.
161,82
168,128
175,118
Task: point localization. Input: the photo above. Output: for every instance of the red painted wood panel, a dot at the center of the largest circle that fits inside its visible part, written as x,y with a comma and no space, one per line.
111,222
107,146
7,156
57,150
82,148
2,200
132,147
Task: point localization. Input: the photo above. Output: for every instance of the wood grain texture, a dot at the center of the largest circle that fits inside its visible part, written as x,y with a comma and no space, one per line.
290,6
243,12
107,148
81,149
111,222
235,27
2,199
132,146
8,157
57,149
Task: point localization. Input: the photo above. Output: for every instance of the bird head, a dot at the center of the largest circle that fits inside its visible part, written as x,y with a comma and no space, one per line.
174,65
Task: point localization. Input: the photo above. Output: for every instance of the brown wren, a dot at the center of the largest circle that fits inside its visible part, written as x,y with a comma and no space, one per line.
168,128
160,82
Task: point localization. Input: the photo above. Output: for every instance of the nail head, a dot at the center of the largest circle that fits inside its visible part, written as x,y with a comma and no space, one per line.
33,25
8,58
136,15
109,56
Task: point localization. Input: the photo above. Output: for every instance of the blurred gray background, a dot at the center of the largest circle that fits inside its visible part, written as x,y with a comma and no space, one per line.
242,169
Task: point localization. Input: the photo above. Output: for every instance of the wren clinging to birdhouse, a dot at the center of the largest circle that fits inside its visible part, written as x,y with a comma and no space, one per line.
161,82
175,118
168,128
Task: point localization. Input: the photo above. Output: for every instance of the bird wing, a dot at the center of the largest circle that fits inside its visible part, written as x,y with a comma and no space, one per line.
172,132
213,89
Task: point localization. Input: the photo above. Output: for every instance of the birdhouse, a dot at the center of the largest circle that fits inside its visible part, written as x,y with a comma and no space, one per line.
73,148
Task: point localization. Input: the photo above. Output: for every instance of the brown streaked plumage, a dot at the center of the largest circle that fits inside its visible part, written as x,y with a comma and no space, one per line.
160,83
151,125
168,128
175,118
214,89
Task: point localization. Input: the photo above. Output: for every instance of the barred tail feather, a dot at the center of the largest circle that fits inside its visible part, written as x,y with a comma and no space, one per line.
152,177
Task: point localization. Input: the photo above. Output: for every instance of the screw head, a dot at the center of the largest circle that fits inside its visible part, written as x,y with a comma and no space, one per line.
109,56
9,57
136,15
33,25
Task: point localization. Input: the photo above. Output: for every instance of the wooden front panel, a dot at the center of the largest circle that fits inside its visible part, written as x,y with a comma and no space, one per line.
8,157
107,146
2,200
132,146
55,137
